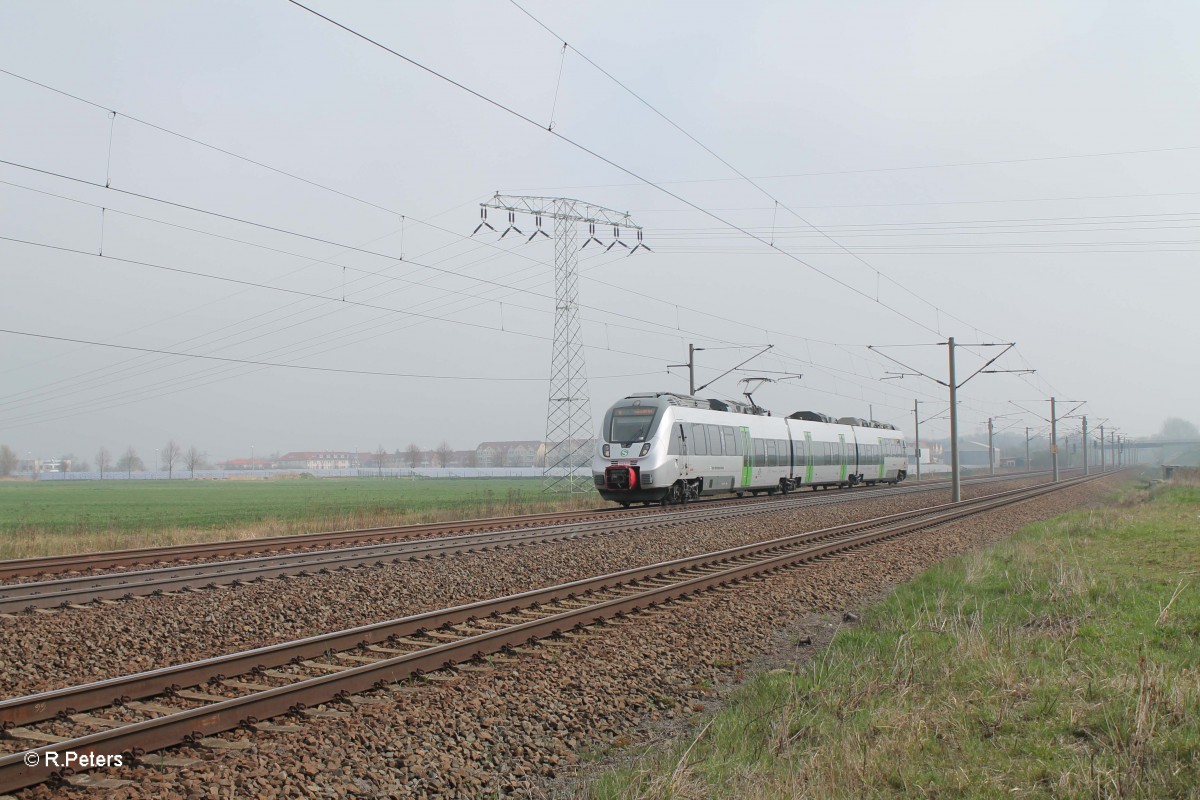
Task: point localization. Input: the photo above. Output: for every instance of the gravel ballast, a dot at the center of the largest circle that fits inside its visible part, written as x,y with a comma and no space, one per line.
513,729
79,645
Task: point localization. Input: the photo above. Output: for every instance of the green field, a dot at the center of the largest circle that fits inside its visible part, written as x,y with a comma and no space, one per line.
1064,662
38,518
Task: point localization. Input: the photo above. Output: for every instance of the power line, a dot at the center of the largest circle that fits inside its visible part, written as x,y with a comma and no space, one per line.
771,243
297,366
358,199
248,160
666,329
1072,198
605,159
285,231
862,171
315,184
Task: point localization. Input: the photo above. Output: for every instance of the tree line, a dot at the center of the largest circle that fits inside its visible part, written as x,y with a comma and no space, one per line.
170,456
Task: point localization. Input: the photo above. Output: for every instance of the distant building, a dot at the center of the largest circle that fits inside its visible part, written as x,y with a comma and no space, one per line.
582,451
318,459
931,453
247,463
975,454
510,454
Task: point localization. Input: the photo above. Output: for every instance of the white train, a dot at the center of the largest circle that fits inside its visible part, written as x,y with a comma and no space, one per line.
669,448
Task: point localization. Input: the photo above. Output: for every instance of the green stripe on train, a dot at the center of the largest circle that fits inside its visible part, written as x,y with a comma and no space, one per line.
808,469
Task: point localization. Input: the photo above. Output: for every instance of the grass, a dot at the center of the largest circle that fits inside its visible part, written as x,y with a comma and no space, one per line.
1064,662
82,516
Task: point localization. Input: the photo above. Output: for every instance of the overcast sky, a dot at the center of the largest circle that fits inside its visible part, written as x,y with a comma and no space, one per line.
996,172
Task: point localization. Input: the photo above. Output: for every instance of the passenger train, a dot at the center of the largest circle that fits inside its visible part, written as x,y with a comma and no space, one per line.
669,448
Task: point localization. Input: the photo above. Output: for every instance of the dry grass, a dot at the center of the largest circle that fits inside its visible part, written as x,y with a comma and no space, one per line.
273,509
1063,663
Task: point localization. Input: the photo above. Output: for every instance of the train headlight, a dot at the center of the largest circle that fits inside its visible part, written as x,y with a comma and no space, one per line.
605,450
645,448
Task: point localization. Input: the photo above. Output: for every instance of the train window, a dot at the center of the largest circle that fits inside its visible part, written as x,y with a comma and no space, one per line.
699,442
633,423
714,441
760,453
771,458
731,448
785,456
798,452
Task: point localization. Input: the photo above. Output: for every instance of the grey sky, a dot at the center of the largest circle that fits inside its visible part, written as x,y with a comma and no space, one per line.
1085,262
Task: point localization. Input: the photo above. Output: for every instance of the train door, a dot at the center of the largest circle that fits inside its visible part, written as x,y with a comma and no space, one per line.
880,449
747,456
679,449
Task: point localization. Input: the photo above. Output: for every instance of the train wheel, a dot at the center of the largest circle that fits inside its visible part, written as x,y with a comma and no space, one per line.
676,495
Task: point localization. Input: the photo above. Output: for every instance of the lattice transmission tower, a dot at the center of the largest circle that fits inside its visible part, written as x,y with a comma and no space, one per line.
569,432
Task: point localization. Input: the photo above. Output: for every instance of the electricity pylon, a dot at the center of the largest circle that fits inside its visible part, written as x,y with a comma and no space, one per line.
569,432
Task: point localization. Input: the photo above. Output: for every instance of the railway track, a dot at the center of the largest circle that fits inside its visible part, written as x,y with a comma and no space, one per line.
188,703
111,559
76,591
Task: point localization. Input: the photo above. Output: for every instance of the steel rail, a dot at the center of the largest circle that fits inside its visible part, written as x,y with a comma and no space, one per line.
663,582
47,565
77,590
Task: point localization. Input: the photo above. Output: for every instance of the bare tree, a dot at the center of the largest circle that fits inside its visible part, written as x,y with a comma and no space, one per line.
72,464
443,453
380,455
129,461
103,460
193,458
8,461
414,456
170,455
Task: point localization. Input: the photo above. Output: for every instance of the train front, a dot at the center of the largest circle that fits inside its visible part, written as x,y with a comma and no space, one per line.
631,449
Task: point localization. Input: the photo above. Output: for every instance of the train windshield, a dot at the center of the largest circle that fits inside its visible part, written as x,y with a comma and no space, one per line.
632,423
